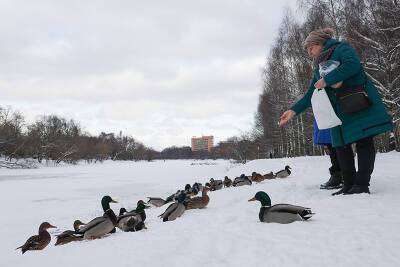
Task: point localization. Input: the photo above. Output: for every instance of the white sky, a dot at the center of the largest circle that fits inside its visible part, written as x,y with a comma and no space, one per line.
160,71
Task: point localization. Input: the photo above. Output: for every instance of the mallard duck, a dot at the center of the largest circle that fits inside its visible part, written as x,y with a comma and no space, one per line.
242,180
215,184
156,201
100,226
140,209
40,241
256,177
269,176
196,188
174,210
283,173
188,189
280,213
134,220
70,235
227,181
199,202
174,197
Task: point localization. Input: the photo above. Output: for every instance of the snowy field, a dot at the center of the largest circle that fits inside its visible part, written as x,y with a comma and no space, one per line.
354,230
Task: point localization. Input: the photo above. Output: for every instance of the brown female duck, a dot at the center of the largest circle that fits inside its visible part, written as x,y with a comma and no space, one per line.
70,235
40,241
199,202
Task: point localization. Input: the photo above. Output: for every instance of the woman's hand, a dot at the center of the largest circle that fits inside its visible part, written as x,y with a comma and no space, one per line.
320,84
337,85
286,117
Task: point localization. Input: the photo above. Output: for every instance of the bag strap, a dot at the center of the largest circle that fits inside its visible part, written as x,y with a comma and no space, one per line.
324,56
331,50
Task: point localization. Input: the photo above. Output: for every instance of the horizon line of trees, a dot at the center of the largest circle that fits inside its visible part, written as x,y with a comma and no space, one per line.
57,139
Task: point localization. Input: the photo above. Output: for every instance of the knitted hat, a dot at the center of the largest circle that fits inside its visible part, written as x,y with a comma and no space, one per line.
318,37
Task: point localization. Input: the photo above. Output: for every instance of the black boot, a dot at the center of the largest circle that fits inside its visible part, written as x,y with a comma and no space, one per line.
334,182
342,191
357,189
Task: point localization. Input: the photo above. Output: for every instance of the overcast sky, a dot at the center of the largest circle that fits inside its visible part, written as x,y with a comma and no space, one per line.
160,71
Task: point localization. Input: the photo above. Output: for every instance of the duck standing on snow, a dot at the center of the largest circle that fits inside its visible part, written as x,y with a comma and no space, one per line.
100,226
256,177
40,241
188,190
134,220
215,184
242,180
196,188
283,173
269,176
70,235
199,202
174,196
280,213
174,210
227,182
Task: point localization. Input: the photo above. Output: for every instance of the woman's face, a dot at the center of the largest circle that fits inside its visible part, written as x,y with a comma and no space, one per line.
314,50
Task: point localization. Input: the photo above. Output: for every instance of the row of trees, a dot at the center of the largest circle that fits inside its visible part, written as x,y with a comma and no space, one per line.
57,139
371,26
52,138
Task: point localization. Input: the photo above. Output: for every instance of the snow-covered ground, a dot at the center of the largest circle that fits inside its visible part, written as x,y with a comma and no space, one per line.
353,230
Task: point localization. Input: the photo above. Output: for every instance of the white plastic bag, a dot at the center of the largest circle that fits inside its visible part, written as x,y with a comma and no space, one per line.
323,111
324,114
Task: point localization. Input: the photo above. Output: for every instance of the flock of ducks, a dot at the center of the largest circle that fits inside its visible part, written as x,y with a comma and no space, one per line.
182,200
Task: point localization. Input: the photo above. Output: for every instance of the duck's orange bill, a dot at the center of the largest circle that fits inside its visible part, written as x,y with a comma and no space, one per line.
252,199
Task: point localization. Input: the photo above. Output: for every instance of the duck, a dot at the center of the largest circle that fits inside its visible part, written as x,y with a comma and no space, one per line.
140,209
256,177
215,184
196,188
280,213
269,176
40,241
100,226
242,180
129,221
199,202
188,189
156,201
283,173
174,196
227,182
208,185
134,220
174,210
70,235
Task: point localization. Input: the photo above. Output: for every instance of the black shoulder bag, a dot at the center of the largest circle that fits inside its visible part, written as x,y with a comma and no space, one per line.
352,99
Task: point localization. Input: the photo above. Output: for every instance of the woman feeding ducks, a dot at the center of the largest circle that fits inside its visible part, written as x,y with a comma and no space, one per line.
356,102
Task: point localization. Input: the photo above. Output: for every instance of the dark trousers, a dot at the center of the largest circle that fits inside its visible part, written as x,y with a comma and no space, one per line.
366,159
335,167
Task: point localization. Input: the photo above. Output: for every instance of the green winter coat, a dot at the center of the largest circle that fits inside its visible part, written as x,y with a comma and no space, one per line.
355,126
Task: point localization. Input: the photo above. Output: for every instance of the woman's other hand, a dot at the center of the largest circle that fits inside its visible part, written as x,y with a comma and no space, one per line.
337,85
286,117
